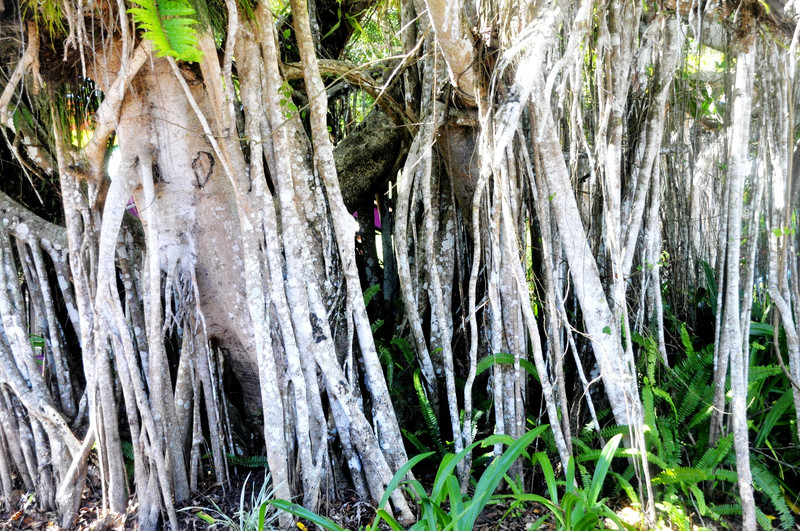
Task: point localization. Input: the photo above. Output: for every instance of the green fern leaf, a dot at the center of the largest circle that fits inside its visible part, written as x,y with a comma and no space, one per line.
250,461
726,475
168,25
687,342
700,499
370,293
127,450
428,413
759,373
627,487
682,475
726,510
763,520
714,456
405,349
711,282
768,484
414,440
507,359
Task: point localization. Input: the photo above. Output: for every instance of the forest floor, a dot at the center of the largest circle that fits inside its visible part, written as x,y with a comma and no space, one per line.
351,513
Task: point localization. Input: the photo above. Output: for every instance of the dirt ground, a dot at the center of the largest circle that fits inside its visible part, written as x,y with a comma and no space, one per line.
351,513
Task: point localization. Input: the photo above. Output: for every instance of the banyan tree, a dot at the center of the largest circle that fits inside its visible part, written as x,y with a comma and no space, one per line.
179,183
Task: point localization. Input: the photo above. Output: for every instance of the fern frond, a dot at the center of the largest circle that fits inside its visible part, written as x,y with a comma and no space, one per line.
682,475
700,500
427,412
370,293
405,349
666,397
581,446
687,342
693,398
689,367
127,450
385,357
763,520
726,509
590,434
250,461
625,485
714,456
506,359
723,474
669,451
168,25
758,373
594,455
414,440
766,482
701,416
711,282
586,478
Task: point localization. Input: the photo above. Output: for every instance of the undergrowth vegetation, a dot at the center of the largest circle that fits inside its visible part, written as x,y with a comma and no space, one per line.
694,482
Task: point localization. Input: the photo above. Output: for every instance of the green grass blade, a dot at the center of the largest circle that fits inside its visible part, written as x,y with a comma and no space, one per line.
602,468
495,472
388,518
549,475
398,477
302,512
262,516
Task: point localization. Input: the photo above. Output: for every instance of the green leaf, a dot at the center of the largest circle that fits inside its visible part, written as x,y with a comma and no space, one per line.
607,330
262,516
302,512
414,440
602,468
761,330
682,475
168,24
506,359
371,291
495,472
388,518
427,412
549,475
454,492
588,522
445,470
206,517
398,477
775,412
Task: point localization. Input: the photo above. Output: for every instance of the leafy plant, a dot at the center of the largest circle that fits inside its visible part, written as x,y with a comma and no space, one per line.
677,407
168,25
580,508
445,508
255,516
250,461
429,415
503,358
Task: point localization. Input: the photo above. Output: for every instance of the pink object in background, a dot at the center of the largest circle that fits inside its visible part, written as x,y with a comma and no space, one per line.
376,218
131,207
